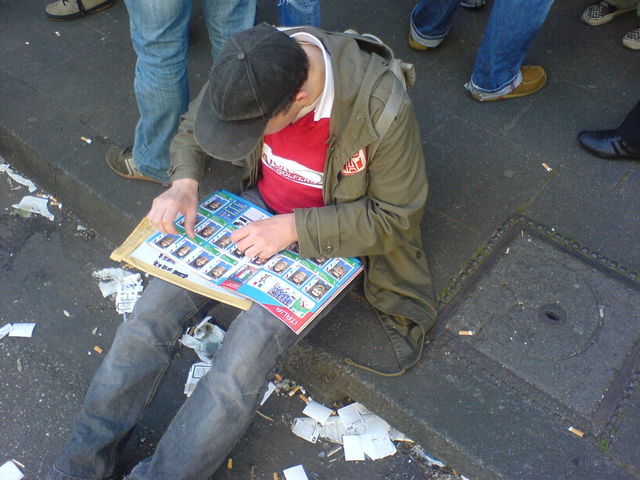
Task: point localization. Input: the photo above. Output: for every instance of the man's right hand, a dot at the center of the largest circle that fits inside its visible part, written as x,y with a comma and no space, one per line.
182,198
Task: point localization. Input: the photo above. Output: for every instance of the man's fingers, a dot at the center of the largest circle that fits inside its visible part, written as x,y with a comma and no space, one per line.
190,222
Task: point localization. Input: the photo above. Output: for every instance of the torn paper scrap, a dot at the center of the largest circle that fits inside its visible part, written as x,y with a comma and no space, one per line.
4,331
351,418
9,471
4,168
196,372
271,387
205,341
295,473
306,428
22,329
378,446
398,436
317,411
353,450
128,293
31,204
109,278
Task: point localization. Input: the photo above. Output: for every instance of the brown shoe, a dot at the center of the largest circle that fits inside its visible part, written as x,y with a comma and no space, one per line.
120,161
70,9
533,79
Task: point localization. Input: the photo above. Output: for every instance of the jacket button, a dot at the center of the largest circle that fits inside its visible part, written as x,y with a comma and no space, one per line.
329,248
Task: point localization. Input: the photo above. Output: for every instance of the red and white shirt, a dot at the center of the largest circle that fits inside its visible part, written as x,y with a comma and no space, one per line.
293,159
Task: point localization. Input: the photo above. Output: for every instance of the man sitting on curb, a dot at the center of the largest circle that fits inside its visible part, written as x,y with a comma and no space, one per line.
304,109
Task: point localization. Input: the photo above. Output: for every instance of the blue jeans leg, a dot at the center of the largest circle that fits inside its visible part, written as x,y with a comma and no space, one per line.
431,20
512,26
225,18
160,37
299,12
126,381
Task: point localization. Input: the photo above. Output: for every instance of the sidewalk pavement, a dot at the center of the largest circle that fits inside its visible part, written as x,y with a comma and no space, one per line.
538,263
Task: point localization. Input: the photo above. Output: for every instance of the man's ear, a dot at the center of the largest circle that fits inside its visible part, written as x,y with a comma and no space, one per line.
301,97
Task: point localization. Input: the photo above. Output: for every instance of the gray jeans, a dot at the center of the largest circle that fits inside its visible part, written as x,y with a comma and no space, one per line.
210,421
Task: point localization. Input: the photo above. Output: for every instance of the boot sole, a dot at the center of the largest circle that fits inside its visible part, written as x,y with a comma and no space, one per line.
96,9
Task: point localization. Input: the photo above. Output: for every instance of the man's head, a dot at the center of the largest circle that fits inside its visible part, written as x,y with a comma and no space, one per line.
257,77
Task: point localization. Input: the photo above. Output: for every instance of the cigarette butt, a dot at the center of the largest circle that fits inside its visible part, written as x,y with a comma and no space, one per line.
294,391
576,431
278,377
85,139
465,332
275,476
57,33
334,451
304,398
98,349
229,463
18,463
547,167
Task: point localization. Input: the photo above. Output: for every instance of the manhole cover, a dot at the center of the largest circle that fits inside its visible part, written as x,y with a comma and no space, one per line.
550,316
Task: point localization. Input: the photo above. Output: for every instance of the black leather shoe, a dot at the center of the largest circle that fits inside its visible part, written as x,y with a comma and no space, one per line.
607,144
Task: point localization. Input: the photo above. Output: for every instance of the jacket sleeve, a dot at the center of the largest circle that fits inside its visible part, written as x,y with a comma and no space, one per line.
388,211
187,157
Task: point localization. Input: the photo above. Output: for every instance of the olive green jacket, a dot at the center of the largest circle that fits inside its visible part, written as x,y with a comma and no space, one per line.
374,214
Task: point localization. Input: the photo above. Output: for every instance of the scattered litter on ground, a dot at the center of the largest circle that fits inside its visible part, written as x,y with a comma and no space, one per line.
4,331
317,411
547,167
295,473
205,339
465,332
21,329
86,140
58,34
196,372
16,177
98,349
10,471
30,204
66,314
576,431
230,463
126,285
271,387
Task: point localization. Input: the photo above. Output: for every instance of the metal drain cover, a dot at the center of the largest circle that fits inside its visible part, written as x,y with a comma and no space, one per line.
552,317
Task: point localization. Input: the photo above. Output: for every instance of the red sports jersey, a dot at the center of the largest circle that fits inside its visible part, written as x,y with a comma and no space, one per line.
293,165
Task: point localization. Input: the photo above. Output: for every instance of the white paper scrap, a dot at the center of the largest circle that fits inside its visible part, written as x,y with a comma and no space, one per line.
4,331
109,279
37,205
378,446
22,329
196,372
317,411
333,430
351,418
128,293
271,387
398,436
9,471
306,428
353,450
295,473
4,168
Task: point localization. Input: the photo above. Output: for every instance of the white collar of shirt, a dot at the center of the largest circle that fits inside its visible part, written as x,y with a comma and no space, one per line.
324,102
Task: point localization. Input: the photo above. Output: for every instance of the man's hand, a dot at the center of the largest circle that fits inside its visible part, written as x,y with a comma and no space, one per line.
265,238
182,197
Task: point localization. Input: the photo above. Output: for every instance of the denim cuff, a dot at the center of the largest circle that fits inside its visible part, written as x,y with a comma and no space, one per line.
482,94
427,41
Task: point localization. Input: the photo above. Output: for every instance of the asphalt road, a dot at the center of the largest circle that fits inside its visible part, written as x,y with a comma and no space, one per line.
46,277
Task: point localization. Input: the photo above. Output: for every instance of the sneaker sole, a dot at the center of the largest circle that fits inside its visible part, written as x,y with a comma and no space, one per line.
632,44
72,16
594,22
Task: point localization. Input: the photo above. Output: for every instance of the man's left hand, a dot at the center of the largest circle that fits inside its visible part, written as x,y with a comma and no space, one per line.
264,238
